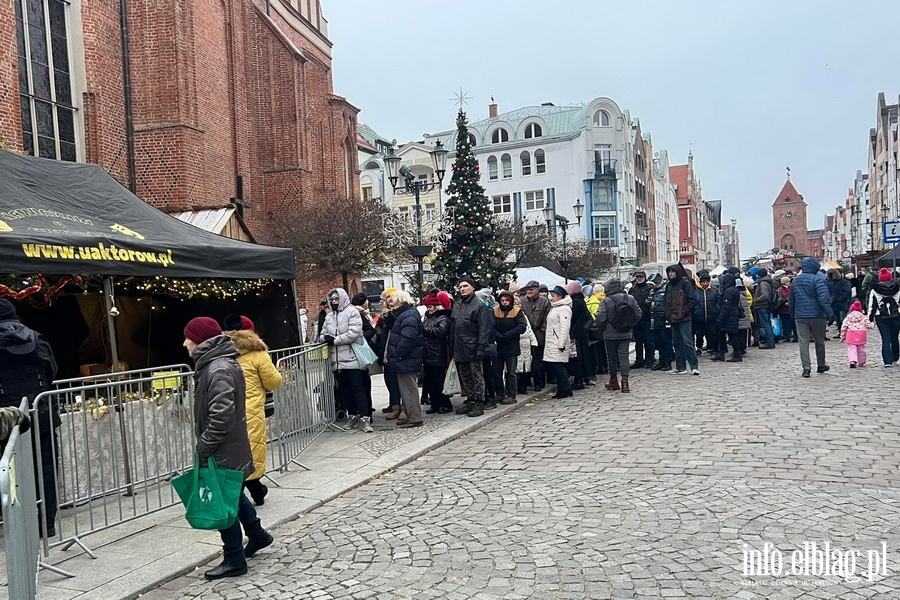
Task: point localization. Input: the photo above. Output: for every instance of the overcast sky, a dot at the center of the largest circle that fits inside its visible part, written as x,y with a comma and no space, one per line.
753,87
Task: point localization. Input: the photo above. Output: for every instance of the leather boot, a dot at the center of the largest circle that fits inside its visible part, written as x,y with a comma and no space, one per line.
226,569
625,388
613,383
395,413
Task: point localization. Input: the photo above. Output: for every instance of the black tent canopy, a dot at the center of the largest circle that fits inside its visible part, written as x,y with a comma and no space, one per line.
891,258
61,217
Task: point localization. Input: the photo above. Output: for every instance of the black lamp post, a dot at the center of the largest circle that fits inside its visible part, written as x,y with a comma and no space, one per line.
563,223
413,186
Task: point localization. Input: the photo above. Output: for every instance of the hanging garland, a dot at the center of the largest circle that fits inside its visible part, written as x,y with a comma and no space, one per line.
36,284
197,288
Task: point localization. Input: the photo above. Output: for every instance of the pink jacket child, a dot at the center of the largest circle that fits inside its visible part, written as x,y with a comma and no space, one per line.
853,332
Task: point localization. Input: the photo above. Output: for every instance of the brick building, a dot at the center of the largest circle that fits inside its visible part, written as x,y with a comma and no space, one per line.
789,221
198,105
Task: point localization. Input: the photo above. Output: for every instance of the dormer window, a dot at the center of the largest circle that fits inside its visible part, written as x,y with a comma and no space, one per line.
533,130
499,136
601,118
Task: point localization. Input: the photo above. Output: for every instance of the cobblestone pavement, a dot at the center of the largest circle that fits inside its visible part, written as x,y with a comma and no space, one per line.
608,495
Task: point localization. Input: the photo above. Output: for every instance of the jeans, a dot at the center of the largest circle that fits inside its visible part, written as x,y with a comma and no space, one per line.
683,341
509,363
433,384
890,344
353,392
390,382
643,342
788,329
662,340
471,378
617,351
815,329
409,391
766,334
560,375
233,537
537,366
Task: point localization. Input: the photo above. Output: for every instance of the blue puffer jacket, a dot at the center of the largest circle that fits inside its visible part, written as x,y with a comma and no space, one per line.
707,310
809,293
406,342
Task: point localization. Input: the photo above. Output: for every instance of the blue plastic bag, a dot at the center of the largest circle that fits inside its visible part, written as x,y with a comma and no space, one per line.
776,325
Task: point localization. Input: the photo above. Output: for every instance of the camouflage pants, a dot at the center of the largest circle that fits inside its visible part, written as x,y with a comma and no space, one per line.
471,378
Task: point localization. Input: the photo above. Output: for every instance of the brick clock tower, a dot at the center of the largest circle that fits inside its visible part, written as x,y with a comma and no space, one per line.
789,222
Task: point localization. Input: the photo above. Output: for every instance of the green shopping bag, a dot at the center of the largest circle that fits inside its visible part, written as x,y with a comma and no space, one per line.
210,495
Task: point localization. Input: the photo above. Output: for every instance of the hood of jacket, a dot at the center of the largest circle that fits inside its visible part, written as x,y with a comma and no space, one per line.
16,338
809,265
247,341
886,289
834,274
444,311
564,301
680,273
219,346
343,298
614,286
726,281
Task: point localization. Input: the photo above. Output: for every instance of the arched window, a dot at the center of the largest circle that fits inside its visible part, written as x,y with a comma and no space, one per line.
506,165
492,168
540,166
471,140
533,130
605,231
601,118
499,136
348,164
525,158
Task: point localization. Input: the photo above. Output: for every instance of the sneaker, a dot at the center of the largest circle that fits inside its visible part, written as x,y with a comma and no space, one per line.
886,366
366,426
387,410
656,367
823,369
464,408
695,371
352,421
806,373
490,404
853,365
677,371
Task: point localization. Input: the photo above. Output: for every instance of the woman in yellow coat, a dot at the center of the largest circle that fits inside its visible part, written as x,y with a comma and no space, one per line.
261,377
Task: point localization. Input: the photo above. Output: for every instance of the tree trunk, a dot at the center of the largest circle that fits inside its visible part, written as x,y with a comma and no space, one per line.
344,281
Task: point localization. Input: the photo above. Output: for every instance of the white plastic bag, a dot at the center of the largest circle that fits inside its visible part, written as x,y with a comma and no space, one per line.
452,385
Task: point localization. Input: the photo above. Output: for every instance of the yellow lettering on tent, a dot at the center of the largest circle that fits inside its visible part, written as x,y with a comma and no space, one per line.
126,231
4,227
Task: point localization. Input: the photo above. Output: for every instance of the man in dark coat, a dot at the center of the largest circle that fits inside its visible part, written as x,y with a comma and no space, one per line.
729,319
841,291
470,338
706,313
509,325
536,308
643,336
763,303
810,307
220,423
681,300
27,368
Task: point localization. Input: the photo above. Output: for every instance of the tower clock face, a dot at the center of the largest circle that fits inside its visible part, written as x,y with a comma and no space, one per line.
788,215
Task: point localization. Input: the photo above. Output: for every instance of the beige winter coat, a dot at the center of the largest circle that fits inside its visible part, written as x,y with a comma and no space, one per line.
558,338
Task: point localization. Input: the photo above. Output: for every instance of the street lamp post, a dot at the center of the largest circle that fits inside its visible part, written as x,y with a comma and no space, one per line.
415,187
563,223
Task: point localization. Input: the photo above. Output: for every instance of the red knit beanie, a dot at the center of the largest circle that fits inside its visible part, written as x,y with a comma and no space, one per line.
431,300
884,275
247,324
445,299
856,306
200,329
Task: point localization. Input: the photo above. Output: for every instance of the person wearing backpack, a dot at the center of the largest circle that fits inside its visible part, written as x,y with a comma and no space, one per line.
618,314
765,301
884,311
810,306
27,368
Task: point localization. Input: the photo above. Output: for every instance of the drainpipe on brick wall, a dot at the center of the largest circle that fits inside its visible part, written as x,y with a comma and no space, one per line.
126,84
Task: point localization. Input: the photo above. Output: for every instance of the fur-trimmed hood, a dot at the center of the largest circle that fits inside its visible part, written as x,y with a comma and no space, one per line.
247,341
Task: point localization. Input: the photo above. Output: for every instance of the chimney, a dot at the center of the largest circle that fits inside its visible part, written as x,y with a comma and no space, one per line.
492,110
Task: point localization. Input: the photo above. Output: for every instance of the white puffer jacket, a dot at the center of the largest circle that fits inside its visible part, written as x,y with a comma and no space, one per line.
526,341
558,341
345,324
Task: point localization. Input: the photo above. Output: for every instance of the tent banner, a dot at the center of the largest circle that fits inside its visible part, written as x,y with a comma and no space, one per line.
59,217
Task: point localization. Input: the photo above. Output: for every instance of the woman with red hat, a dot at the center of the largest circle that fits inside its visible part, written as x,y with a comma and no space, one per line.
437,357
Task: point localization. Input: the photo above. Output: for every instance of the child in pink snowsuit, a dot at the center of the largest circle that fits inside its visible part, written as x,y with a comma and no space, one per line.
853,332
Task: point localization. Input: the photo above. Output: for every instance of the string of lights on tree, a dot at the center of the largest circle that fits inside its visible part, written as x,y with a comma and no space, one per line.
470,249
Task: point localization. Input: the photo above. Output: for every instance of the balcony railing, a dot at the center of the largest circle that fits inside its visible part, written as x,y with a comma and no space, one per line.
604,168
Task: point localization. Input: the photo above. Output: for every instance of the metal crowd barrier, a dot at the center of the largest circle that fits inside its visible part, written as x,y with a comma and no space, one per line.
118,444
304,405
20,517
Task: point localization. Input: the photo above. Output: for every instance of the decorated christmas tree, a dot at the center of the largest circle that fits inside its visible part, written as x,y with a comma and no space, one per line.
470,248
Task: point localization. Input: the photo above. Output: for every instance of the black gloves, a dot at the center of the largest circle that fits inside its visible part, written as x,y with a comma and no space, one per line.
562,349
329,339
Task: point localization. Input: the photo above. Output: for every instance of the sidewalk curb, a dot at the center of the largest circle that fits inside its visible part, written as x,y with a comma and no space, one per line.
354,481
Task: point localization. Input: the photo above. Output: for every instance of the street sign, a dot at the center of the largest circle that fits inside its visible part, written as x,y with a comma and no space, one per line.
846,254
430,277
891,230
410,268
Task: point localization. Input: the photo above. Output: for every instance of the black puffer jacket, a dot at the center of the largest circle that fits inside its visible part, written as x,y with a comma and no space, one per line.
508,327
382,327
681,296
643,294
437,332
729,317
220,415
658,307
406,343
472,330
